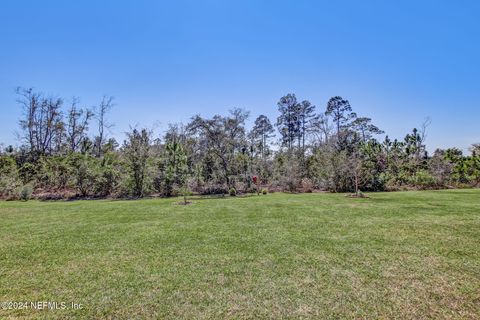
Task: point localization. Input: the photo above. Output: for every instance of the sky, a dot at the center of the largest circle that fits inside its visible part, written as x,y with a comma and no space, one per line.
397,62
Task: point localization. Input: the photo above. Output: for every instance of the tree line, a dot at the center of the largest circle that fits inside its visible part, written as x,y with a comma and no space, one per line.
330,148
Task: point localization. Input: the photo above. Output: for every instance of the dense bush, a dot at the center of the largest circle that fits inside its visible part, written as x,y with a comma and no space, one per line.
288,172
423,179
55,173
27,172
307,185
108,176
26,192
211,189
9,179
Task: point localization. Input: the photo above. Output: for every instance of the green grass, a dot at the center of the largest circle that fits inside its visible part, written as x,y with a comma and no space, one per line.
405,255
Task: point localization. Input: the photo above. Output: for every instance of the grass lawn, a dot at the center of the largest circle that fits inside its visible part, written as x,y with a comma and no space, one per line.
404,255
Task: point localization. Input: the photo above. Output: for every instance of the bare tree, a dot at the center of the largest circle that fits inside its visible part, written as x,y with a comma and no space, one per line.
42,121
355,169
78,119
305,118
321,128
30,102
424,128
475,149
103,125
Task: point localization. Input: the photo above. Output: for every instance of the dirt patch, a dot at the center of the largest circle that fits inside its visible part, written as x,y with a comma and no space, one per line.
183,203
357,195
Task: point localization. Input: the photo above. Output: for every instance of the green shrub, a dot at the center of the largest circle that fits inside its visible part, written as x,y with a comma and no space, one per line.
9,187
25,193
264,191
84,173
9,180
232,192
423,179
108,176
7,165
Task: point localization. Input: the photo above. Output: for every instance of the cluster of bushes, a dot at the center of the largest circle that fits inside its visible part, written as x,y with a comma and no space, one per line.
58,177
77,175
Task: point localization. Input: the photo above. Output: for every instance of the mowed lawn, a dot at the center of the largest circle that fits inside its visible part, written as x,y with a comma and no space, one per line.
404,255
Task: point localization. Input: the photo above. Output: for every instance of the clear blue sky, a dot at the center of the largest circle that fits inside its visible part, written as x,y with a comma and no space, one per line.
396,61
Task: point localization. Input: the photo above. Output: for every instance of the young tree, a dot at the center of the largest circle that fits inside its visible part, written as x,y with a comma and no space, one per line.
355,165
440,167
137,152
176,168
414,146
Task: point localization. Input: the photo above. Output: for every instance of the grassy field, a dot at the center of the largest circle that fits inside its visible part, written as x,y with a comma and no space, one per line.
405,255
